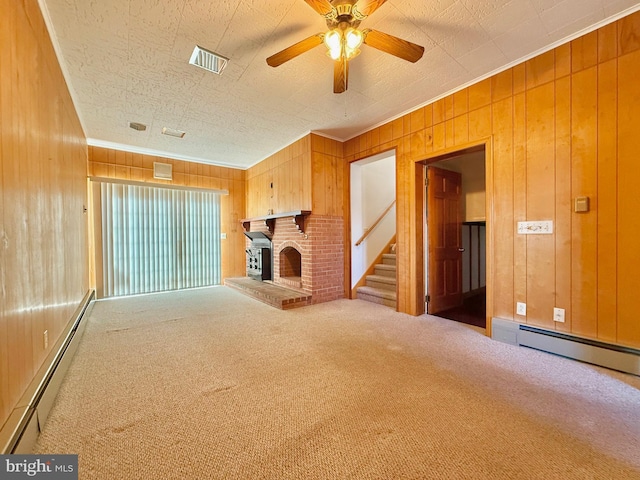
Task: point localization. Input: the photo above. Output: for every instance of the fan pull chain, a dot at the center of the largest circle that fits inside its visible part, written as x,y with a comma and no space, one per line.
345,95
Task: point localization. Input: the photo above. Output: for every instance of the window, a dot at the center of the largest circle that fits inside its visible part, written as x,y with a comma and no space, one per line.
153,239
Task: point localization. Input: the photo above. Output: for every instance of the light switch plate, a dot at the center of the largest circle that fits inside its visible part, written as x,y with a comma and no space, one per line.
532,228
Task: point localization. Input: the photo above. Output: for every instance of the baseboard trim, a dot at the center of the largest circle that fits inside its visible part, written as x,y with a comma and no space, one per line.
20,431
615,357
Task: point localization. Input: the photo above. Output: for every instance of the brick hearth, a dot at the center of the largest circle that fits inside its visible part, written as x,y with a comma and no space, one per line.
267,292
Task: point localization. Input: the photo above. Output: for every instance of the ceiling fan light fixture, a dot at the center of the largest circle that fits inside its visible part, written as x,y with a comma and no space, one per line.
343,39
352,41
334,53
333,41
353,38
343,43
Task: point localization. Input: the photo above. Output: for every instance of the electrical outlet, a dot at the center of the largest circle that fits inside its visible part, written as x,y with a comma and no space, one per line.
521,308
46,339
558,315
223,236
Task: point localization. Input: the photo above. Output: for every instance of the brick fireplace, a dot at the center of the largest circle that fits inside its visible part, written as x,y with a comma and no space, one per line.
312,260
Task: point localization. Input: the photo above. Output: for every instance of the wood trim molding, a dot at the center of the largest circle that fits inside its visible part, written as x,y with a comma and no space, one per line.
486,144
299,217
156,185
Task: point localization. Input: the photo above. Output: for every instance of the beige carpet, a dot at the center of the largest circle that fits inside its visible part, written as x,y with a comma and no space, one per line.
208,383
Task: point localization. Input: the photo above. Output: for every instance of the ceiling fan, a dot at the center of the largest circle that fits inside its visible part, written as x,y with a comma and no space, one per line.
344,39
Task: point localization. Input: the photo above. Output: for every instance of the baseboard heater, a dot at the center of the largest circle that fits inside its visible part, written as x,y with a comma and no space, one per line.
21,430
604,354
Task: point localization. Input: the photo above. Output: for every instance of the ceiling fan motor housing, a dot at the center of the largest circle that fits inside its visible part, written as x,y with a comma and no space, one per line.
344,11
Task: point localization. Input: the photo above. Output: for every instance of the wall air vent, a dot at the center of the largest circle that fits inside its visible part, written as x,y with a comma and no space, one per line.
173,132
141,127
210,61
163,171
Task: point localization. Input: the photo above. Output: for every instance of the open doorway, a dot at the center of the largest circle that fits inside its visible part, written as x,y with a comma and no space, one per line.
455,237
373,213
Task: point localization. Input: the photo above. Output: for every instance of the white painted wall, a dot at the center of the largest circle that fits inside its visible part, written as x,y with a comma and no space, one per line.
373,188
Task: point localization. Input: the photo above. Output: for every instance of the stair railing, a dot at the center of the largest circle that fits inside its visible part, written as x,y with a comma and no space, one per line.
367,231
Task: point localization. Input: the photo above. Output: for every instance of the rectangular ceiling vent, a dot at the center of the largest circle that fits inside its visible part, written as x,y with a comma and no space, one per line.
141,127
163,171
210,61
172,132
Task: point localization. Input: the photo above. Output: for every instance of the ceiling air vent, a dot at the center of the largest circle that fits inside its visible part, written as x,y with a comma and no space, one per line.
172,132
141,127
163,171
208,60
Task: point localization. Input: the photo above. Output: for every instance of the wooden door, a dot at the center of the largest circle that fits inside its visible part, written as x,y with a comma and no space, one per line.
444,233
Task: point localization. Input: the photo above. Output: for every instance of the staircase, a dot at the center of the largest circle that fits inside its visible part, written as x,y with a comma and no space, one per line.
381,286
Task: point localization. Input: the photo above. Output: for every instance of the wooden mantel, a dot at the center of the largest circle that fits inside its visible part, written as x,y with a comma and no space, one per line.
299,217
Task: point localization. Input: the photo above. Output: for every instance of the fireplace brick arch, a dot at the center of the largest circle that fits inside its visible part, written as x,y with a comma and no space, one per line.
290,262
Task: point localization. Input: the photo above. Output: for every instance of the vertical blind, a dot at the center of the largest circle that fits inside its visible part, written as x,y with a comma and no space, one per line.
156,239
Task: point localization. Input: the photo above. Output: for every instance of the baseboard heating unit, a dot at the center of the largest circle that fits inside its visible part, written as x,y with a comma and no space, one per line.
21,430
607,355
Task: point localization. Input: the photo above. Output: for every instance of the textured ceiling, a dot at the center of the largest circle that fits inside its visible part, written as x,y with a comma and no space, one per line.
127,60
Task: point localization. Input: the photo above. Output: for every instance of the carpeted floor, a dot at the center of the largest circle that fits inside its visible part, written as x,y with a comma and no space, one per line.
209,384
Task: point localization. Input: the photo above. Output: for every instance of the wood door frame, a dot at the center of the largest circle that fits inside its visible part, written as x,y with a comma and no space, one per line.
419,176
348,292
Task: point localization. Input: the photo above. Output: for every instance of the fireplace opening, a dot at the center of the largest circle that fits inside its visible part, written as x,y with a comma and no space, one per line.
291,266
259,256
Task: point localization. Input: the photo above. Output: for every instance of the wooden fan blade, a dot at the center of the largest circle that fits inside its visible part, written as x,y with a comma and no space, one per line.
340,76
366,8
294,50
323,7
393,45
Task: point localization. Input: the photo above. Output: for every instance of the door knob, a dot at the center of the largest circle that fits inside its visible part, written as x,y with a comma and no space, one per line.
461,249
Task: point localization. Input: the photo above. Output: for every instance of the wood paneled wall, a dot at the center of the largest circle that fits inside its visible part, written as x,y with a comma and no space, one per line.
281,182
328,173
43,229
306,175
558,126
109,163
